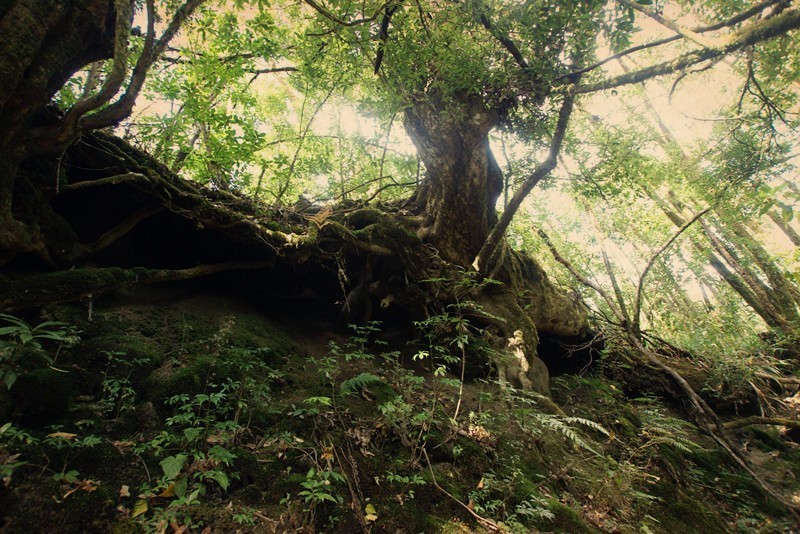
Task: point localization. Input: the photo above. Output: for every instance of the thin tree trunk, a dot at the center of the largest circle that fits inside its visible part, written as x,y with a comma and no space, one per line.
790,232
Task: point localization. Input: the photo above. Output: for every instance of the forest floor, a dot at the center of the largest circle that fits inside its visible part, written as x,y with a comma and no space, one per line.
184,410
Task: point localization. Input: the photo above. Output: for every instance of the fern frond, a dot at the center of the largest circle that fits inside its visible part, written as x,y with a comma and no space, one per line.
359,382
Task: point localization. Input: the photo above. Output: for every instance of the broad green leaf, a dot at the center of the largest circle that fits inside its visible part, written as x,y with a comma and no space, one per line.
139,508
172,465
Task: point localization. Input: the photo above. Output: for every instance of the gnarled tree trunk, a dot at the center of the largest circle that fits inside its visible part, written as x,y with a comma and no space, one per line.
43,44
463,179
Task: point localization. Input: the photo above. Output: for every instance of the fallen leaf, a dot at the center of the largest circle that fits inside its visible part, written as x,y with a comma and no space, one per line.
169,492
370,514
124,491
139,508
82,485
215,439
65,435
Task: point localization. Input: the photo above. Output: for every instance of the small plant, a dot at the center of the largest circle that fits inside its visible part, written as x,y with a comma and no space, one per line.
318,487
406,484
20,341
68,447
11,438
118,393
356,347
202,427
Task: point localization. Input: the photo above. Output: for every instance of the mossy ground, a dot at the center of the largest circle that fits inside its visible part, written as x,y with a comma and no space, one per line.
283,434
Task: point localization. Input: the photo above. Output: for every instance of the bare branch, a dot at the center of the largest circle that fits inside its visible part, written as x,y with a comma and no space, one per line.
637,308
685,32
152,50
119,68
756,420
580,278
330,16
700,29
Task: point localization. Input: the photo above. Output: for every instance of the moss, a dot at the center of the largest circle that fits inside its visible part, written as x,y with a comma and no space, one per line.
191,378
566,520
678,511
43,395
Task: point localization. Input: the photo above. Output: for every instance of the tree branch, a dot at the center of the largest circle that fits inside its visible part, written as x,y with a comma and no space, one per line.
580,278
119,68
333,18
700,29
483,259
637,307
754,33
684,32
756,420
152,50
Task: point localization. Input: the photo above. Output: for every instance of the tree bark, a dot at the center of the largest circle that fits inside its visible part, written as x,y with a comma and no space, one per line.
463,180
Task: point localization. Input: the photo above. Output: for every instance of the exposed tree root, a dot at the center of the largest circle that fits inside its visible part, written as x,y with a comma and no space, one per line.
756,420
708,421
66,286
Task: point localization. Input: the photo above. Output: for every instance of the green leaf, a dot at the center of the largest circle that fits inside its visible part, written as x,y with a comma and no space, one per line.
6,330
172,465
221,478
9,378
139,508
192,433
180,486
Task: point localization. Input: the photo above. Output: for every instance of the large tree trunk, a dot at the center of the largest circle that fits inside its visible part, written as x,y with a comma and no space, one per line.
463,180
457,202
42,44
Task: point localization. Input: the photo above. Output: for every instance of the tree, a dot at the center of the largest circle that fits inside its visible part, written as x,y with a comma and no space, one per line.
43,46
456,71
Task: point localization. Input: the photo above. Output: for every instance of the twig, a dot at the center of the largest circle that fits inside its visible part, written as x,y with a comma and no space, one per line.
637,308
488,523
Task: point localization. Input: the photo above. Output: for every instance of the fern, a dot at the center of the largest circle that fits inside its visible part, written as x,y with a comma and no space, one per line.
587,423
560,425
359,382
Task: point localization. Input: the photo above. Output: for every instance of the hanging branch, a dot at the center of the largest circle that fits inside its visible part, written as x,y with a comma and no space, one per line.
637,308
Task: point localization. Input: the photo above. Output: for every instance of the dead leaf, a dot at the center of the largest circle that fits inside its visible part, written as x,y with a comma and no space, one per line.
124,491
370,514
122,445
206,530
215,439
480,484
169,492
65,435
82,485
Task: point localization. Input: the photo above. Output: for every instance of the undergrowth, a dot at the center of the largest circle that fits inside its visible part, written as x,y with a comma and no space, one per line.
237,435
